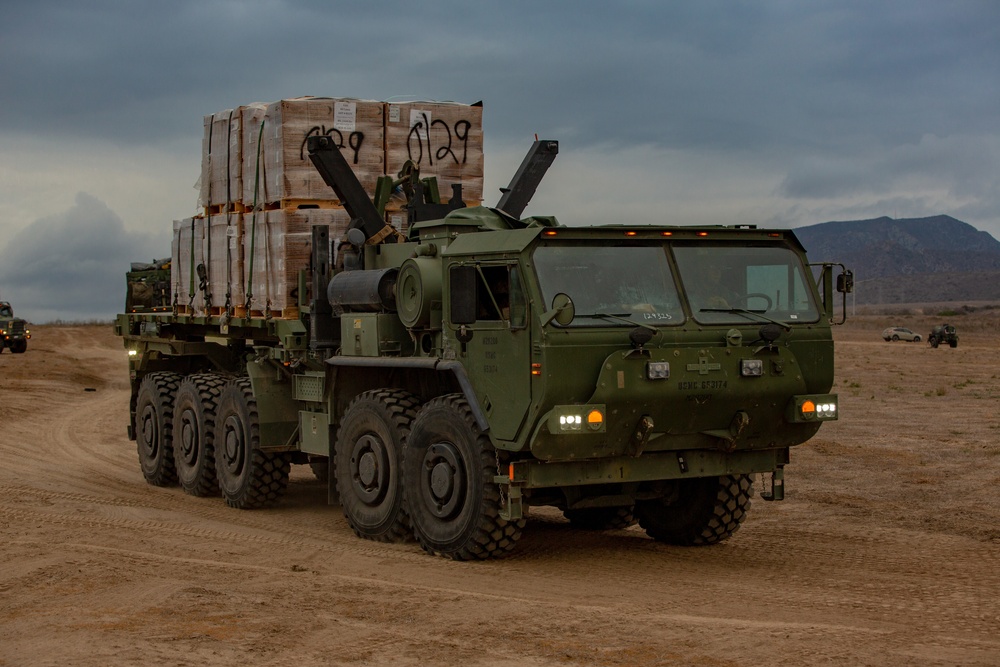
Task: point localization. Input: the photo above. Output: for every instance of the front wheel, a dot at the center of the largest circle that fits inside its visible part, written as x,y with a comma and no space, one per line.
248,477
696,512
448,470
19,346
367,461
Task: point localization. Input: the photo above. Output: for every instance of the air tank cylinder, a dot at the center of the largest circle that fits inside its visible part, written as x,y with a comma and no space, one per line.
363,291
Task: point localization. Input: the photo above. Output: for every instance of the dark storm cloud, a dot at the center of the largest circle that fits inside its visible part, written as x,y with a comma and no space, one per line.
727,76
72,266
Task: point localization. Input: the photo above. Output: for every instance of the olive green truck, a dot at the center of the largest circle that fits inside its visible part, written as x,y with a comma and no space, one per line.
447,381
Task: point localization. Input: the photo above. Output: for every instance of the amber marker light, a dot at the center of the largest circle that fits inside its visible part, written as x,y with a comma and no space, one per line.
629,233
595,419
536,369
702,233
510,471
666,233
549,232
808,408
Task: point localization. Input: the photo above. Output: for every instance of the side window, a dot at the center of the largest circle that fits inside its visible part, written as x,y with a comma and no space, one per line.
488,294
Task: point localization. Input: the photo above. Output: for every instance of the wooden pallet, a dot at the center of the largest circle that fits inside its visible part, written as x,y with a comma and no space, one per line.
222,209
294,204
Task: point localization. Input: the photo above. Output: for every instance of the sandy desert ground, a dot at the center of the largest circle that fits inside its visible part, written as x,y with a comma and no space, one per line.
886,550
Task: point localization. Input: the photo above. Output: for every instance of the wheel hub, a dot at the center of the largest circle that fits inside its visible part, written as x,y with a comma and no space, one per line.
188,437
234,447
444,481
370,469
148,422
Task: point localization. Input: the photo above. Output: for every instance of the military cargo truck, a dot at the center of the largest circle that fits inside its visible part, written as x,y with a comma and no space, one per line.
487,363
14,332
148,287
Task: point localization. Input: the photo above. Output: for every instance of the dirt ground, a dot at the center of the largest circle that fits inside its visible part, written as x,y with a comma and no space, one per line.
886,550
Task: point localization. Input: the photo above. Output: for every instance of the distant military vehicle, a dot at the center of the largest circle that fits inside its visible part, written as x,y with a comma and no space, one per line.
14,332
943,333
148,287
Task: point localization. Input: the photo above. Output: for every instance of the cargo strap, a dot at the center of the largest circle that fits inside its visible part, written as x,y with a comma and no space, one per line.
253,224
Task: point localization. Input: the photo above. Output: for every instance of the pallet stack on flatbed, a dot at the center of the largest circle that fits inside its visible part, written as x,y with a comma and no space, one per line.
260,193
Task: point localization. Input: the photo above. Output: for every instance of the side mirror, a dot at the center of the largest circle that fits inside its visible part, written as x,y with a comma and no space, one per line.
845,282
563,310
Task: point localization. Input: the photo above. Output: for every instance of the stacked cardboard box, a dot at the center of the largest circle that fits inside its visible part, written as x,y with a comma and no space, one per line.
442,139
186,250
261,194
279,244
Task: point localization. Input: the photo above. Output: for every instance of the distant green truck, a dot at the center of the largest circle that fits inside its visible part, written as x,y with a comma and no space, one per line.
14,332
488,363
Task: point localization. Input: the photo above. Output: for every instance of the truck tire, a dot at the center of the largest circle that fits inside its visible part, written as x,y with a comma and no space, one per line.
934,342
368,458
154,415
601,518
699,511
248,477
448,470
194,428
20,345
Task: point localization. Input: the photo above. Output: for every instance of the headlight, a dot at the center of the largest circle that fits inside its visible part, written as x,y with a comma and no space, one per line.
821,407
577,419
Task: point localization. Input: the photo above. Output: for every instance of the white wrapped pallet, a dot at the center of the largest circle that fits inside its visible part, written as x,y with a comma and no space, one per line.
226,261
443,139
282,171
222,160
186,253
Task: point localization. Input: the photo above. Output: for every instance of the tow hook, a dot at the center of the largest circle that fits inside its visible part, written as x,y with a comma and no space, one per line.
777,490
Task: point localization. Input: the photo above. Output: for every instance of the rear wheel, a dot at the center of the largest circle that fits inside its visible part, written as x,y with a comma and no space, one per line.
697,511
248,477
368,460
895,338
194,429
448,470
154,415
601,518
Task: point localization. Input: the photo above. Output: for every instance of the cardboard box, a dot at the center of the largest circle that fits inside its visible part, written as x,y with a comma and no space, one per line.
280,244
443,139
226,261
283,170
187,251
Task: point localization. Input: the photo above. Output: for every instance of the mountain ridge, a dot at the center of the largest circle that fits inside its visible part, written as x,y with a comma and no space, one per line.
909,260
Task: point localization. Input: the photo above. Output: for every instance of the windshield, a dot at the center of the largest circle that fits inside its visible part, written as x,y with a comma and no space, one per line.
632,284
6,312
731,284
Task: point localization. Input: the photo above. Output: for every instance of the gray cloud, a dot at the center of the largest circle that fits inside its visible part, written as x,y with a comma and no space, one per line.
771,112
72,266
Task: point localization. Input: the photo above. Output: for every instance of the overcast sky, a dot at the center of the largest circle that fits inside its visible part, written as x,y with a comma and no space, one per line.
778,113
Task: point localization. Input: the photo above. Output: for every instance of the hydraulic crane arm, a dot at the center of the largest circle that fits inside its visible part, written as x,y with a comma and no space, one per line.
522,187
337,173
